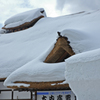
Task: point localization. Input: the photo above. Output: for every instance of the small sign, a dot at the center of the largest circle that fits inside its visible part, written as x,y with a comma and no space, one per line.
55,95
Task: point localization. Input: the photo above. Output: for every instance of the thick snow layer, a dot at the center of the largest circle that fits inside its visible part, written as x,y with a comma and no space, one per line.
23,53
40,72
83,74
21,18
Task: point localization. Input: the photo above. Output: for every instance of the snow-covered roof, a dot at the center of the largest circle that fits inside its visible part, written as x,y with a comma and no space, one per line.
24,17
22,54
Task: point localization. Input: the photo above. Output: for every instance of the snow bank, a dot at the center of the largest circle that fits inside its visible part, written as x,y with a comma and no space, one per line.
21,18
83,74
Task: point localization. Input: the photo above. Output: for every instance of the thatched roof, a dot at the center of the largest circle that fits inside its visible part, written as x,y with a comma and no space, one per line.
43,85
23,20
61,51
23,26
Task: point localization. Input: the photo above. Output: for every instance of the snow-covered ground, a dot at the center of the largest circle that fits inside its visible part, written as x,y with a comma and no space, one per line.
23,53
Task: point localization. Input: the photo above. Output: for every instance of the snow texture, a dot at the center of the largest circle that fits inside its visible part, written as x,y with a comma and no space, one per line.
23,53
24,17
83,74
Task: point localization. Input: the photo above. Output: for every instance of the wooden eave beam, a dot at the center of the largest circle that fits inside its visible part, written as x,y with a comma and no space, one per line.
2,79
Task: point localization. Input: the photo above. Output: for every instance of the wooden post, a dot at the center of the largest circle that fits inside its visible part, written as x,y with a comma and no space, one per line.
31,95
12,98
35,95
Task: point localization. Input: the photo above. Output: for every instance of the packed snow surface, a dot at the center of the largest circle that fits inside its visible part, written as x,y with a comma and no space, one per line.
23,53
24,17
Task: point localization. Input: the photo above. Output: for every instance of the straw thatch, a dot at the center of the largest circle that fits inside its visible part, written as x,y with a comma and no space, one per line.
61,51
23,26
42,85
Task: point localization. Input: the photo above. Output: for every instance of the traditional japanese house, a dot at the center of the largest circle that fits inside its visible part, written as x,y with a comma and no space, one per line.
61,51
34,59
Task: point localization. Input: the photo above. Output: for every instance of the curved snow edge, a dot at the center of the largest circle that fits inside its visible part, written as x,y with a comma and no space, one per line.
76,38
88,56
